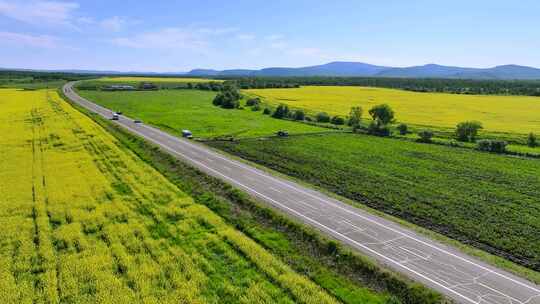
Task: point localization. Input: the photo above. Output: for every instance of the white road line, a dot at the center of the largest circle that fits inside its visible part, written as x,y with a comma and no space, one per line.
413,253
310,206
274,189
172,150
377,223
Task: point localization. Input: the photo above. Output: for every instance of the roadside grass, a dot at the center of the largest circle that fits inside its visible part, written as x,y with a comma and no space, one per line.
484,200
468,247
342,273
513,114
175,110
85,220
481,254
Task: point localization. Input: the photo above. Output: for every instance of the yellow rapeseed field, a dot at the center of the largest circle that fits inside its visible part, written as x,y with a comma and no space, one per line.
155,79
84,220
517,114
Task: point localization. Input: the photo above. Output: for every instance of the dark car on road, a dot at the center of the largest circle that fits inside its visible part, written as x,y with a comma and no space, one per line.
282,133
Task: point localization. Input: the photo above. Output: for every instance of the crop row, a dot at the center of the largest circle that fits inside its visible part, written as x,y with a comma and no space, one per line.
85,220
486,200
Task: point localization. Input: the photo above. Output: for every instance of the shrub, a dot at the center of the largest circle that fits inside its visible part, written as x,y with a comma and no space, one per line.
267,111
355,117
299,115
403,129
425,136
379,129
229,98
322,117
492,145
332,247
382,114
308,118
467,130
281,111
253,101
531,140
256,107
338,120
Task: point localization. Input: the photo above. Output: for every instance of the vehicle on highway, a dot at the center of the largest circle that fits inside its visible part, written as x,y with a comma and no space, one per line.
115,116
282,133
137,121
187,134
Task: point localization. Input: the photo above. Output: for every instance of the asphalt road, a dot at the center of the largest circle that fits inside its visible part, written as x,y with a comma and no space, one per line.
459,276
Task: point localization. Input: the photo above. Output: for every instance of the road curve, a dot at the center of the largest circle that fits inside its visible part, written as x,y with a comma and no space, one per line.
443,268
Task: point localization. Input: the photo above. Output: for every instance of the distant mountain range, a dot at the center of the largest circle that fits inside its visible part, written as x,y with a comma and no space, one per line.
350,69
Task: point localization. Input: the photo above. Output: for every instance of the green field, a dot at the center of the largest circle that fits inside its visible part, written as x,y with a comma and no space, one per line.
516,114
155,79
175,110
84,220
489,201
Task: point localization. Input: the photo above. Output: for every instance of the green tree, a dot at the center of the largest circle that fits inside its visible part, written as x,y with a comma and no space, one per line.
322,117
229,98
281,111
468,130
253,101
425,136
382,114
492,145
299,115
531,140
337,120
355,117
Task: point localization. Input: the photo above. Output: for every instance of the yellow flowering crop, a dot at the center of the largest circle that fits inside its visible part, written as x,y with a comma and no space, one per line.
517,114
84,220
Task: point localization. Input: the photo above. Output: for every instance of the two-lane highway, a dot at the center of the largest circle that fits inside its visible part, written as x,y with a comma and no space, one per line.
459,276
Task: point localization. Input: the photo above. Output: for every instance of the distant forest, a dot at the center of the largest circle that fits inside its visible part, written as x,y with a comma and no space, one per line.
456,86
6,75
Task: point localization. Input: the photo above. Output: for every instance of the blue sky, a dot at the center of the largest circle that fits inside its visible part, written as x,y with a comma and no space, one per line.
171,36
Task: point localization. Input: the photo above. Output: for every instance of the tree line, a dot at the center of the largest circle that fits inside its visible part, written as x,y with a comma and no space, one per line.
455,86
382,118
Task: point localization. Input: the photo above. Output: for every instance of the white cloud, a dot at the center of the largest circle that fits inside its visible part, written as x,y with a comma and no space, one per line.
114,24
38,41
168,38
39,12
175,38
